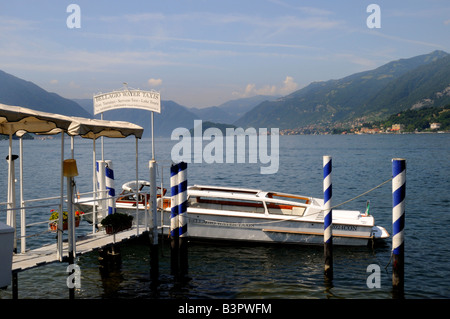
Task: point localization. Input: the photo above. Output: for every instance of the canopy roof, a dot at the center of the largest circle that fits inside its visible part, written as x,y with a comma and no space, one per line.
16,118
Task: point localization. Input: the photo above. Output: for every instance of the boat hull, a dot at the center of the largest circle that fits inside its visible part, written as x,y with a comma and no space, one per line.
217,227
212,225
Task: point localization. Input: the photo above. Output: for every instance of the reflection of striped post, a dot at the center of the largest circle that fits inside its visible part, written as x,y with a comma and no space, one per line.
398,222
109,184
174,232
182,217
327,219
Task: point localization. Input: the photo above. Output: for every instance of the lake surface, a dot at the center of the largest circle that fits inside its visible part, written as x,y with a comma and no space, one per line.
360,162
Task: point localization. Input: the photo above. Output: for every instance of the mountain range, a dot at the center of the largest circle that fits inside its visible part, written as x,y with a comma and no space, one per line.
399,85
396,86
174,115
18,92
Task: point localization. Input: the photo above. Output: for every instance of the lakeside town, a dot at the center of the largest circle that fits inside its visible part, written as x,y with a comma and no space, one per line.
372,129
425,120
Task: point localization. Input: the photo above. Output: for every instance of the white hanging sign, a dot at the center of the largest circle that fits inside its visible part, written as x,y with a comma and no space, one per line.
127,99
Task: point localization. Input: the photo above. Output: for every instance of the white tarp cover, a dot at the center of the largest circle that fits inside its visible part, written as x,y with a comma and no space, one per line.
16,118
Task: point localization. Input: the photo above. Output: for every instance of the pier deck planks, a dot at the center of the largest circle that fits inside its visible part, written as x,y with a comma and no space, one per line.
84,244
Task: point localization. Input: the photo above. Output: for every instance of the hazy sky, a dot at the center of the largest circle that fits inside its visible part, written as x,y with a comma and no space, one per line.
205,52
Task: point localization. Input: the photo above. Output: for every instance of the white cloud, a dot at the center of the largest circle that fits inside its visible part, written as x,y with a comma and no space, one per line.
154,82
54,81
287,87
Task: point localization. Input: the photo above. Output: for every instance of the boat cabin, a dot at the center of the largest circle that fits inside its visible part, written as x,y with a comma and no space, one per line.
247,200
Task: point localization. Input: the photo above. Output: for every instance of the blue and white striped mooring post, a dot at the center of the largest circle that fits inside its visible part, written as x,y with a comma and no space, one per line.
174,233
327,218
178,219
398,222
109,184
101,187
182,218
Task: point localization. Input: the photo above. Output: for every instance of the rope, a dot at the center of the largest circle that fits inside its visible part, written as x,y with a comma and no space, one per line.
367,192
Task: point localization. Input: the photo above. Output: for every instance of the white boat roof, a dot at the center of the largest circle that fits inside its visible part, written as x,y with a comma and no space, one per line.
247,194
15,119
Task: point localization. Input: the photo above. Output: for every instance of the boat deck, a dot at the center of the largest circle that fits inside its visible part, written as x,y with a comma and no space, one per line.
84,244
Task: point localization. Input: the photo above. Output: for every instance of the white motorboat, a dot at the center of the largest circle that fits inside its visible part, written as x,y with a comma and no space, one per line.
252,215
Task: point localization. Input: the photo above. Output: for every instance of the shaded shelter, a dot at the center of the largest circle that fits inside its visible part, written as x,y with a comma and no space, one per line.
17,120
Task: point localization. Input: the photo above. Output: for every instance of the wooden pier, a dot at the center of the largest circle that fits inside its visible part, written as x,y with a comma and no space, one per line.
84,244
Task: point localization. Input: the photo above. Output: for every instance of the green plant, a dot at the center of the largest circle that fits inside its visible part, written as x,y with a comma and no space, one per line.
55,215
117,221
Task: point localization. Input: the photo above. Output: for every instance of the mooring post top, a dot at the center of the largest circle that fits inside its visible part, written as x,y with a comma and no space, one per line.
398,159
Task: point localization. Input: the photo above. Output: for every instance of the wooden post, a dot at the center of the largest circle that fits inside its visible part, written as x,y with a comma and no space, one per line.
327,219
398,223
15,285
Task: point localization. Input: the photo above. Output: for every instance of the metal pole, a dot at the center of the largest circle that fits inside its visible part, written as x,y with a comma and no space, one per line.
59,244
153,139
11,217
327,219
94,188
71,228
23,224
182,218
137,189
101,138
398,223
154,259
11,214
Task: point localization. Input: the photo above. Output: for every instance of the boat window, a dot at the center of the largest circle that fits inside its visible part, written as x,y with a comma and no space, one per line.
285,209
227,204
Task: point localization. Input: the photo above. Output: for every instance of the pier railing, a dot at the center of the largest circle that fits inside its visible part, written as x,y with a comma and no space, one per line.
31,207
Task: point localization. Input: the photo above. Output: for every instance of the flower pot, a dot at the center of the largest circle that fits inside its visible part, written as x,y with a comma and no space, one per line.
112,230
54,225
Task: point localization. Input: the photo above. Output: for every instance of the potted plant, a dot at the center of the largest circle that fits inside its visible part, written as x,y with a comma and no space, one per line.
116,222
53,224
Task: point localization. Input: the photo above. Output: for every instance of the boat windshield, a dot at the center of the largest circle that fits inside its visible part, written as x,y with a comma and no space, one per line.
292,198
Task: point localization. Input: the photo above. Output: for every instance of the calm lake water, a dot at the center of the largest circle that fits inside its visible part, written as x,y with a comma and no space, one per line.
259,271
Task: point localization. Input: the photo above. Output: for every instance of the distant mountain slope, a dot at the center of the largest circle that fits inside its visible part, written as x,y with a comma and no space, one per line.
427,85
214,114
232,110
18,92
174,115
375,93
